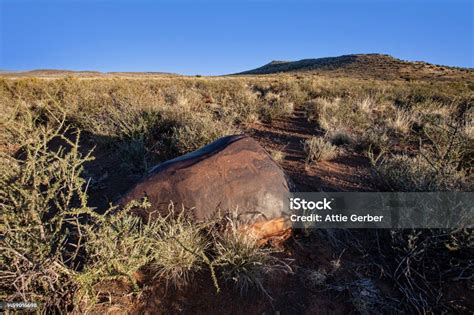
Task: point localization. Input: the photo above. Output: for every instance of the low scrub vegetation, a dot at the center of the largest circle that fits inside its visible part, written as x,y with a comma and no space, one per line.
318,149
442,163
57,249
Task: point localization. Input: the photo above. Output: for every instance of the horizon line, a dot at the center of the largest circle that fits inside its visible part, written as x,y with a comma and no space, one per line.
182,74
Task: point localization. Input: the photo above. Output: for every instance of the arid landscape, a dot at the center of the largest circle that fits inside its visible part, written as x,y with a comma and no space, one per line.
73,143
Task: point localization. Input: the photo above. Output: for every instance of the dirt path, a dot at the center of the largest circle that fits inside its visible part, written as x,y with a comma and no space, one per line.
348,172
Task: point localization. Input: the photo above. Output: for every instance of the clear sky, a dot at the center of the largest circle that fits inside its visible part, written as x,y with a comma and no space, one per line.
220,37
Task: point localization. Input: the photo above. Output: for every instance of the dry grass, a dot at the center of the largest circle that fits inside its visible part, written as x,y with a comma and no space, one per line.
401,122
442,163
339,137
318,149
179,247
277,155
56,249
55,246
243,262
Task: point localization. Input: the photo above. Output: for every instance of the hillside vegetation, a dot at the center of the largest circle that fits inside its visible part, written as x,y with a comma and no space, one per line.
71,146
375,66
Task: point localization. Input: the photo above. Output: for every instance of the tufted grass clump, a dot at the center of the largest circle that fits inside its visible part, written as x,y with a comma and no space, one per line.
178,247
402,172
143,136
278,155
243,262
401,121
318,149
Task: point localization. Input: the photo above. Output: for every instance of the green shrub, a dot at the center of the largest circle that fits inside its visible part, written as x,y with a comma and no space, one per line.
116,247
42,196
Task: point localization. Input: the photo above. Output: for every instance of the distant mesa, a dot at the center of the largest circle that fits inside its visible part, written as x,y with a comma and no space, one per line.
364,66
379,66
58,73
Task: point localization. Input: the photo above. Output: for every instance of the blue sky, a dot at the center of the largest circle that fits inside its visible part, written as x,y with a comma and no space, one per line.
220,37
